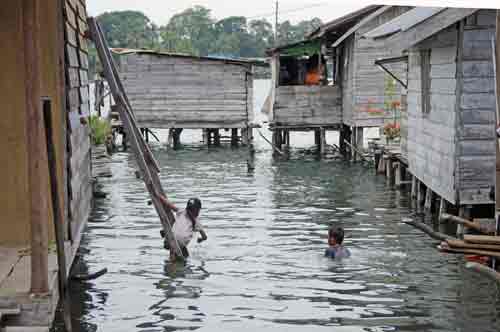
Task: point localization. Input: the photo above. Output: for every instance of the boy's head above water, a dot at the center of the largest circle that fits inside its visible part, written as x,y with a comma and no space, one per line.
335,235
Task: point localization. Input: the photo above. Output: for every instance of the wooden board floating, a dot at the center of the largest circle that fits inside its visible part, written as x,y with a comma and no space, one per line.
465,245
482,239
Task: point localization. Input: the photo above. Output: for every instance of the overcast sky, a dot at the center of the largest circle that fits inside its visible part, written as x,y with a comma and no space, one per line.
161,10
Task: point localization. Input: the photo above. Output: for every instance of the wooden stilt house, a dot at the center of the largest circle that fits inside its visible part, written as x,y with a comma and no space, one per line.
353,95
44,73
451,99
178,91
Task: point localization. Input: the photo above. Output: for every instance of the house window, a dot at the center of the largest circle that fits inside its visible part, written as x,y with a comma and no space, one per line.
425,79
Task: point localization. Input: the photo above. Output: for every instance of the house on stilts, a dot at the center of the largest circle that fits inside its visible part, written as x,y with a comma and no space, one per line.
177,91
451,112
46,154
351,95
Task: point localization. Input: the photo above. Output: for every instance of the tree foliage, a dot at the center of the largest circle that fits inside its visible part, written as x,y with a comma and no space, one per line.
195,31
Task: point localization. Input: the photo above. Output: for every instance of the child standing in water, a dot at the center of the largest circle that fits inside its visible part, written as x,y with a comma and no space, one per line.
186,223
335,248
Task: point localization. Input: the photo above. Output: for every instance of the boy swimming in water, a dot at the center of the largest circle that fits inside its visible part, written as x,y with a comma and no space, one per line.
335,248
186,223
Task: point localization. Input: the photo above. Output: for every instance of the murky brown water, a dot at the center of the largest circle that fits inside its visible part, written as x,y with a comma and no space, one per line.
262,268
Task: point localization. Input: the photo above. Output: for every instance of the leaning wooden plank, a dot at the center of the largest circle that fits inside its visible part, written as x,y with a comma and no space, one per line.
148,174
466,245
428,230
119,89
482,239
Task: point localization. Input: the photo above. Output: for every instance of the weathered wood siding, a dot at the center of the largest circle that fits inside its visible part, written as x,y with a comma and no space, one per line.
369,82
181,92
431,136
347,80
78,108
308,105
15,216
476,111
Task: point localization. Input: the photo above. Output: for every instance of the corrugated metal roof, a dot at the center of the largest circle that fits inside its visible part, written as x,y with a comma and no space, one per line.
350,18
404,22
125,51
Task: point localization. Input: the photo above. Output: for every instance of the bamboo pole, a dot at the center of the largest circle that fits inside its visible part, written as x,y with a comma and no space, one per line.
58,217
482,239
467,245
37,153
445,248
272,145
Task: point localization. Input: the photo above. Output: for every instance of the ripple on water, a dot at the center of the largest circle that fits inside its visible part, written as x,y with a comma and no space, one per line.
262,268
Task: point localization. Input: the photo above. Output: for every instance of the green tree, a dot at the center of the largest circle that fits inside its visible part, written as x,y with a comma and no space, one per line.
193,30
128,29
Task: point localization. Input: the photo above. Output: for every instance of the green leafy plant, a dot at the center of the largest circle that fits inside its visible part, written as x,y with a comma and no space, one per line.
99,130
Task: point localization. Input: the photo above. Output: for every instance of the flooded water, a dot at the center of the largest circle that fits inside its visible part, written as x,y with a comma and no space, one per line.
262,268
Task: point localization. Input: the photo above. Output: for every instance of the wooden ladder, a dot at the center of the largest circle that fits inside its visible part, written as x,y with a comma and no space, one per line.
147,164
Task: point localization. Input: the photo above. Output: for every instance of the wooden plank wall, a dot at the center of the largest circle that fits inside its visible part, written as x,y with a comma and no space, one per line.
347,80
179,92
431,136
476,112
368,88
78,108
308,105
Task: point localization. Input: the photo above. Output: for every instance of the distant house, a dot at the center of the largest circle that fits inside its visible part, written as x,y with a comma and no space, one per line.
353,94
44,70
451,98
178,91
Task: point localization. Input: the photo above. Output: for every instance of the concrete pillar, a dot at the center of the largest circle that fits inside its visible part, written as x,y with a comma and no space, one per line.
206,137
382,164
170,139
443,207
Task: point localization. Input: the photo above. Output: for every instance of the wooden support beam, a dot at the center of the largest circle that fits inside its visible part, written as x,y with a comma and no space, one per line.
36,149
234,137
464,213
428,199
322,137
389,169
206,137
381,164
443,208
414,186
398,176
57,216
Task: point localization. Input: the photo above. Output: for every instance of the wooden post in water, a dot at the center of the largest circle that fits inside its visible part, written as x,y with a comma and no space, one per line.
428,199
36,150
170,139
177,138
322,135
465,213
398,174
443,208
234,137
414,185
353,143
381,164
420,196
216,137
206,137
57,216
389,169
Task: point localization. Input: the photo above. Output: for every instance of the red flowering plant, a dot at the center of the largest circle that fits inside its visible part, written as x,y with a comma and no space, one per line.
392,130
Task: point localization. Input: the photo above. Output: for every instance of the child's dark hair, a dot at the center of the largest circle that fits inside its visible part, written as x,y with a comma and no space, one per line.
337,233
